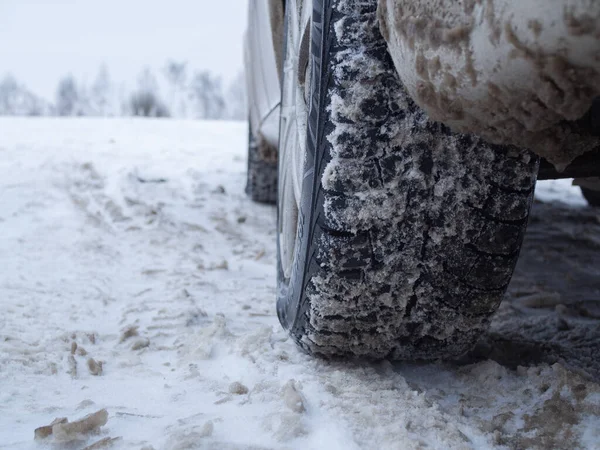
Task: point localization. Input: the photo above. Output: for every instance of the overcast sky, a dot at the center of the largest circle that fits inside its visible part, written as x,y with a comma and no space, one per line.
41,40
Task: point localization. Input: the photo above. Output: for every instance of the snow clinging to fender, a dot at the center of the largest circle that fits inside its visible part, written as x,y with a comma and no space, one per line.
514,72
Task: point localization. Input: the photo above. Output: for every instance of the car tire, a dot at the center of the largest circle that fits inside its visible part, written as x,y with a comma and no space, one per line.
407,234
261,184
592,196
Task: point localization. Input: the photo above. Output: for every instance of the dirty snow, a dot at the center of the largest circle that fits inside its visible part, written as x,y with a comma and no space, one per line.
138,278
512,72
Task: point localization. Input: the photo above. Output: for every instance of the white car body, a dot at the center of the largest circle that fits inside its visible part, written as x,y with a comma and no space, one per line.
262,67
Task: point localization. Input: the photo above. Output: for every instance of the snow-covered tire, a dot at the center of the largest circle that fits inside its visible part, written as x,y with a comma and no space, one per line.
261,185
592,196
407,234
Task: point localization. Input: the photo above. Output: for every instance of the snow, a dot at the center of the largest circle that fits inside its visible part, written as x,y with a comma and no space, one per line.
560,191
134,240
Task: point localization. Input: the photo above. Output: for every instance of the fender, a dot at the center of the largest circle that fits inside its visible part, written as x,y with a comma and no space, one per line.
519,72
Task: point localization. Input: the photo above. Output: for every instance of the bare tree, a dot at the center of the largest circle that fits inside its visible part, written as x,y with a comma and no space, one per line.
17,100
102,93
147,81
237,103
145,101
68,102
207,94
8,95
176,74
202,97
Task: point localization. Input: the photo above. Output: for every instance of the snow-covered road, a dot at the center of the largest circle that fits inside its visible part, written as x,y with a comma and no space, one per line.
136,277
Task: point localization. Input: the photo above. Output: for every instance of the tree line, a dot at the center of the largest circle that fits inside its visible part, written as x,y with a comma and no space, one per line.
174,91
